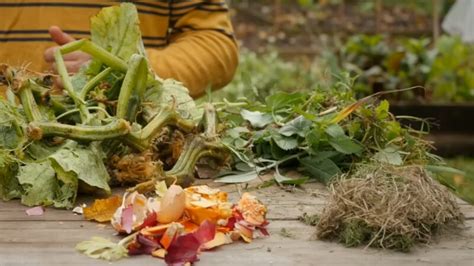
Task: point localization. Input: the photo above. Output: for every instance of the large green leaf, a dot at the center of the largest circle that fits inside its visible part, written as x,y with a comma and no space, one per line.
86,163
298,126
11,121
340,141
335,131
171,92
321,169
285,143
43,188
117,30
9,186
345,145
257,119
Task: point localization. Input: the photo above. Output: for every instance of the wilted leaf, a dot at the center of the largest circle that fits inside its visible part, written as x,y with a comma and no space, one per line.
84,162
9,186
116,29
102,210
345,112
101,248
170,93
43,188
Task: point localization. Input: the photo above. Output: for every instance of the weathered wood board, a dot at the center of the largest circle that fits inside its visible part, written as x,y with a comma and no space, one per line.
50,239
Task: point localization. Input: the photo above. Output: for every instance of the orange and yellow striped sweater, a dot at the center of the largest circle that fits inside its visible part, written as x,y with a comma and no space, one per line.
188,40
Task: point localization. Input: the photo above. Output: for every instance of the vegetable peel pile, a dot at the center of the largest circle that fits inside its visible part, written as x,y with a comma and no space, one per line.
176,224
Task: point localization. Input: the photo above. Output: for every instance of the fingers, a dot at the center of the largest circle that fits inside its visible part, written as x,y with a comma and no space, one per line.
59,36
71,66
74,56
73,61
49,54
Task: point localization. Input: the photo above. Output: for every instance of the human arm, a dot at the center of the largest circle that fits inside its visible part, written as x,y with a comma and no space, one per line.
202,52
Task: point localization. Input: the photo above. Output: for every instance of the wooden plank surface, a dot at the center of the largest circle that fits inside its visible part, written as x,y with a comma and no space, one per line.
50,239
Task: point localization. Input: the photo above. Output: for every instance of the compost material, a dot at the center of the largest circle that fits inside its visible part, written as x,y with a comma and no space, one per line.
388,207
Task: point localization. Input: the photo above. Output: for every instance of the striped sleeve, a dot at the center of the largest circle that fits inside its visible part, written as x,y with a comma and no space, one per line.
202,52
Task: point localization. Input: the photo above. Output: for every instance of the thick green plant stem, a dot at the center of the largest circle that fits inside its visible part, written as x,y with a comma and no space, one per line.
197,148
133,88
62,70
141,140
183,171
29,104
117,128
93,82
209,122
206,144
96,52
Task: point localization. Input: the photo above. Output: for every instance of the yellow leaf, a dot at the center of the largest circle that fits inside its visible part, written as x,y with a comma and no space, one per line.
349,109
102,210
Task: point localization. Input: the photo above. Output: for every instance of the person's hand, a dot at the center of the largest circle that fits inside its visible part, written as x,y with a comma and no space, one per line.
73,61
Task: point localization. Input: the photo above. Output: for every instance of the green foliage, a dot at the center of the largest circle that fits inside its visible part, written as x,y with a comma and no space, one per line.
380,66
9,186
259,76
55,179
452,72
461,182
11,131
445,71
298,130
117,30
51,170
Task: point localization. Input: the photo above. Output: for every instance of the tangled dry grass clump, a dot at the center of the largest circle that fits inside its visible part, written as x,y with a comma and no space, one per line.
388,207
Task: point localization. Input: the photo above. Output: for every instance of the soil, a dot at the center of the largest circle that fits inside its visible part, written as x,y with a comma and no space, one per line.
295,29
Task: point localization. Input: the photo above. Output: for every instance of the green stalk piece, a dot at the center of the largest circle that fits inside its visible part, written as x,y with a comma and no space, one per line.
142,140
133,88
28,102
117,128
206,144
197,148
